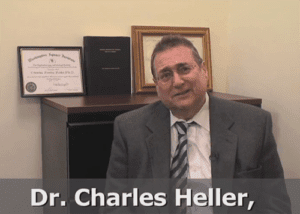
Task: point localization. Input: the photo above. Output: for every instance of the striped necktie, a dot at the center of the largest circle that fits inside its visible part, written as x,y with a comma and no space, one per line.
180,165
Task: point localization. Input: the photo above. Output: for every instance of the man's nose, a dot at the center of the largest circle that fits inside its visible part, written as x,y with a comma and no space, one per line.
177,80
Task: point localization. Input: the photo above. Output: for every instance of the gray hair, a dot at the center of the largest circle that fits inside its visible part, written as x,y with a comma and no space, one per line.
171,41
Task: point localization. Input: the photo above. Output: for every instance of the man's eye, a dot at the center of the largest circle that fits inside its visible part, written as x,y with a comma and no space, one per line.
184,69
166,75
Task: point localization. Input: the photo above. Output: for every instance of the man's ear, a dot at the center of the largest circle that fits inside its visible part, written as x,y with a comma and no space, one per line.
203,67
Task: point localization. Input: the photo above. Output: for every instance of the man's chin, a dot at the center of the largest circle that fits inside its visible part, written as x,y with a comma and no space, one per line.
180,108
184,109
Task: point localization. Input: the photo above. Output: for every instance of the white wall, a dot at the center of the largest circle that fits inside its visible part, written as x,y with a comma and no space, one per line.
253,45
264,45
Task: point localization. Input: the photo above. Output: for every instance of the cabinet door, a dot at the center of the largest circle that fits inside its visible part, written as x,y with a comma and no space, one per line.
89,149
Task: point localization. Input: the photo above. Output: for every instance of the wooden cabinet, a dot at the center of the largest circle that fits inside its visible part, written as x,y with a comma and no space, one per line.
77,133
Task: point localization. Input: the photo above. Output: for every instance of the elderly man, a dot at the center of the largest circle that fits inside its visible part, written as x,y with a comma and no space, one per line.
190,134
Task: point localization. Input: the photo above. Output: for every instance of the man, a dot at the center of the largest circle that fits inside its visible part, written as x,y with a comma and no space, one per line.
212,138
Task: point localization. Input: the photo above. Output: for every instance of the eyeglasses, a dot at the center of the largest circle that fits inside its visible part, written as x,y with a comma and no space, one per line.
167,74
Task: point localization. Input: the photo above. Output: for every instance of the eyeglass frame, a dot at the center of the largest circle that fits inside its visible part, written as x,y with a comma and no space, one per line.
192,67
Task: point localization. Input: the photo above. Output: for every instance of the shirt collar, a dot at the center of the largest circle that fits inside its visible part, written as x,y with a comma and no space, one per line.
201,118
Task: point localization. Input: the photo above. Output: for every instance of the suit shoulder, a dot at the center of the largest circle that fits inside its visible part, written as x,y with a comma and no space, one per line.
139,114
238,109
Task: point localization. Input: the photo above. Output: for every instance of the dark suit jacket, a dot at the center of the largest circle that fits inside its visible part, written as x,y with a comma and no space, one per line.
242,144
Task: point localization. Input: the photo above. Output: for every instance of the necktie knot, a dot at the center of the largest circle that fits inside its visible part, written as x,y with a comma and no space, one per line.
181,127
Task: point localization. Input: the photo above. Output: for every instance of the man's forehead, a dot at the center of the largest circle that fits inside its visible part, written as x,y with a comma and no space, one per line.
173,57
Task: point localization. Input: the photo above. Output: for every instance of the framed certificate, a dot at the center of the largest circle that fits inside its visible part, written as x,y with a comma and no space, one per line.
51,71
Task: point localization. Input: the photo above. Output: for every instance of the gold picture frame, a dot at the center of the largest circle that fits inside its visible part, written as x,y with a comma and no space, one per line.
144,39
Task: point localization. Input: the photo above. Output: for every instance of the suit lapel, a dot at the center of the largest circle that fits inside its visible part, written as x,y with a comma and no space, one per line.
159,141
223,141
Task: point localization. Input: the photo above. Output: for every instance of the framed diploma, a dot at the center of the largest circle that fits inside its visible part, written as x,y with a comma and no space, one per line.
51,71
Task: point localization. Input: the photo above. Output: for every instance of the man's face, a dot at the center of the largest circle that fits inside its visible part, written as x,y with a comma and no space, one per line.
180,82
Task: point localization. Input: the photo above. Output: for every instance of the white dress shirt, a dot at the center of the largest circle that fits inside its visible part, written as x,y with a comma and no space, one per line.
199,151
199,146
